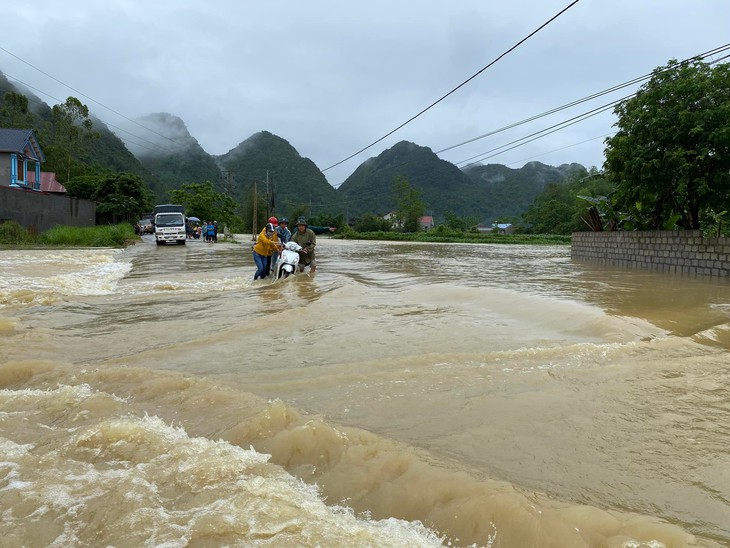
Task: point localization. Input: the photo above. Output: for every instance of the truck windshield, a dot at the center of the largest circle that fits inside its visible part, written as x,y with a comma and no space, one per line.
169,219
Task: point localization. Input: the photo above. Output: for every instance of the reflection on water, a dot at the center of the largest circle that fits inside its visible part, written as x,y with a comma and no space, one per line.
500,395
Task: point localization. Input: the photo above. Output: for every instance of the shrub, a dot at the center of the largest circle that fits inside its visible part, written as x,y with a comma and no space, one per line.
11,233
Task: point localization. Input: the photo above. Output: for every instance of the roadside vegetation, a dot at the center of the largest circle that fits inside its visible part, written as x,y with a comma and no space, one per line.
119,235
441,235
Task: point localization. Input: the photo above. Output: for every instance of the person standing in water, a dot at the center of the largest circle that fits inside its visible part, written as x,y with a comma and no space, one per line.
305,238
284,236
266,243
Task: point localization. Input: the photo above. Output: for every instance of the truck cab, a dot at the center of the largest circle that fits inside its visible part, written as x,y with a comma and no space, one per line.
170,224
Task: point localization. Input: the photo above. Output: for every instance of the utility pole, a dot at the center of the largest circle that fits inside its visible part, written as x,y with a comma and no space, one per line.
269,208
228,183
255,204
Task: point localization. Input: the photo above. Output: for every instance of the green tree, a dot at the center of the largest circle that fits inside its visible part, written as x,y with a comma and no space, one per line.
202,201
372,223
122,197
410,205
561,207
70,125
323,219
455,222
552,211
83,186
14,112
671,154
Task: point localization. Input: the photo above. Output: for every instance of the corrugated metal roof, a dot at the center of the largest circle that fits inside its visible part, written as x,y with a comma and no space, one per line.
49,183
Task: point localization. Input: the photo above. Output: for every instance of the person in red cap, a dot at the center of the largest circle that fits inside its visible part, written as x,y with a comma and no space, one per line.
266,243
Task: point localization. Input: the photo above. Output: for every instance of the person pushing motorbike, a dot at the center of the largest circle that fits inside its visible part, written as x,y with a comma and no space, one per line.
305,238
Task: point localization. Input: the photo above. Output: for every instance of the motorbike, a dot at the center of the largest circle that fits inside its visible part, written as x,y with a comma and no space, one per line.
288,260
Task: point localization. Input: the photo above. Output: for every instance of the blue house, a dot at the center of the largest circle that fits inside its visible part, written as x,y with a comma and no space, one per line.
20,159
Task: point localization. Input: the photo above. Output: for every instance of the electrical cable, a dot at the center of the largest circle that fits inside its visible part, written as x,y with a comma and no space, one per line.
10,77
583,116
561,148
540,134
89,98
546,23
617,87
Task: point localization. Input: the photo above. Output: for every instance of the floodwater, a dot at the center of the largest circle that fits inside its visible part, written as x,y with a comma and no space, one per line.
404,395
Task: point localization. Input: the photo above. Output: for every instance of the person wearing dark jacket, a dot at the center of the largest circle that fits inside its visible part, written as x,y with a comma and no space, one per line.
305,237
321,229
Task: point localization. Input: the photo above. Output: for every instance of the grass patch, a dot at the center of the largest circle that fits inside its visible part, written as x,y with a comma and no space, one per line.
69,236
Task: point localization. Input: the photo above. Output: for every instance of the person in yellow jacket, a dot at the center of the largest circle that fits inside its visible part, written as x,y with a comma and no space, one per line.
266,244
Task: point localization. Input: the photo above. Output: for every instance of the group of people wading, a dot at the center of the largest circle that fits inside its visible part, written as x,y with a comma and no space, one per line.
271,239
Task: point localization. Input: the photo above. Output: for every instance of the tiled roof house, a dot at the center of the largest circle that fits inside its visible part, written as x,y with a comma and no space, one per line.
20,156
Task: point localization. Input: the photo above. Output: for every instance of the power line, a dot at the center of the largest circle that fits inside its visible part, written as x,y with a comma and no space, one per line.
544,132
89,98
633,81
561,148
104,122
539,135
546,23
565,123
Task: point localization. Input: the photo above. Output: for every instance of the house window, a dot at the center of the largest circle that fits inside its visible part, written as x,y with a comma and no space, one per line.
13,169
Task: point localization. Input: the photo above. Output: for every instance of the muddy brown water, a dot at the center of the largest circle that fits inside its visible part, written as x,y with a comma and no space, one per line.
404,395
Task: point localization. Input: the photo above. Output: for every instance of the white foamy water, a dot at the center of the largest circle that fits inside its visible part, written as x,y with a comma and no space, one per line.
42,277
402,396
153,485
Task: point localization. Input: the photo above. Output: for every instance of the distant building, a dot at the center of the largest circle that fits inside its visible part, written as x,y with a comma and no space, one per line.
503,228
391,216
496,228
426,222
20,157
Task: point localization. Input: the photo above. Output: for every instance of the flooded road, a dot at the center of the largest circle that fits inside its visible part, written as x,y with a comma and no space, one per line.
404,395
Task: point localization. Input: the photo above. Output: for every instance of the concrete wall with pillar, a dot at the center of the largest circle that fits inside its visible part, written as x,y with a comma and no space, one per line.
40,211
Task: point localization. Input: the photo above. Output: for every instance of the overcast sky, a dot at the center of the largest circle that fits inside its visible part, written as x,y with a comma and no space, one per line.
332,76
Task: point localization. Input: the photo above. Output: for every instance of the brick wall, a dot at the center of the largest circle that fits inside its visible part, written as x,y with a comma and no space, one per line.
685,252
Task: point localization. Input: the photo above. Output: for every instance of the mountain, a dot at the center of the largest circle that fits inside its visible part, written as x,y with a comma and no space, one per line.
105,153
171,153
442,185
295,181
166,156
509,192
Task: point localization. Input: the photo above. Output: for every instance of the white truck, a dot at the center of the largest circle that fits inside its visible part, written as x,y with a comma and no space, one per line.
170,224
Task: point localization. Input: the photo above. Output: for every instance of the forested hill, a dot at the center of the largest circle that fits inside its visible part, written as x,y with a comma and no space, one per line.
166,157
105,153
171,153
295,181
444,188
509,192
